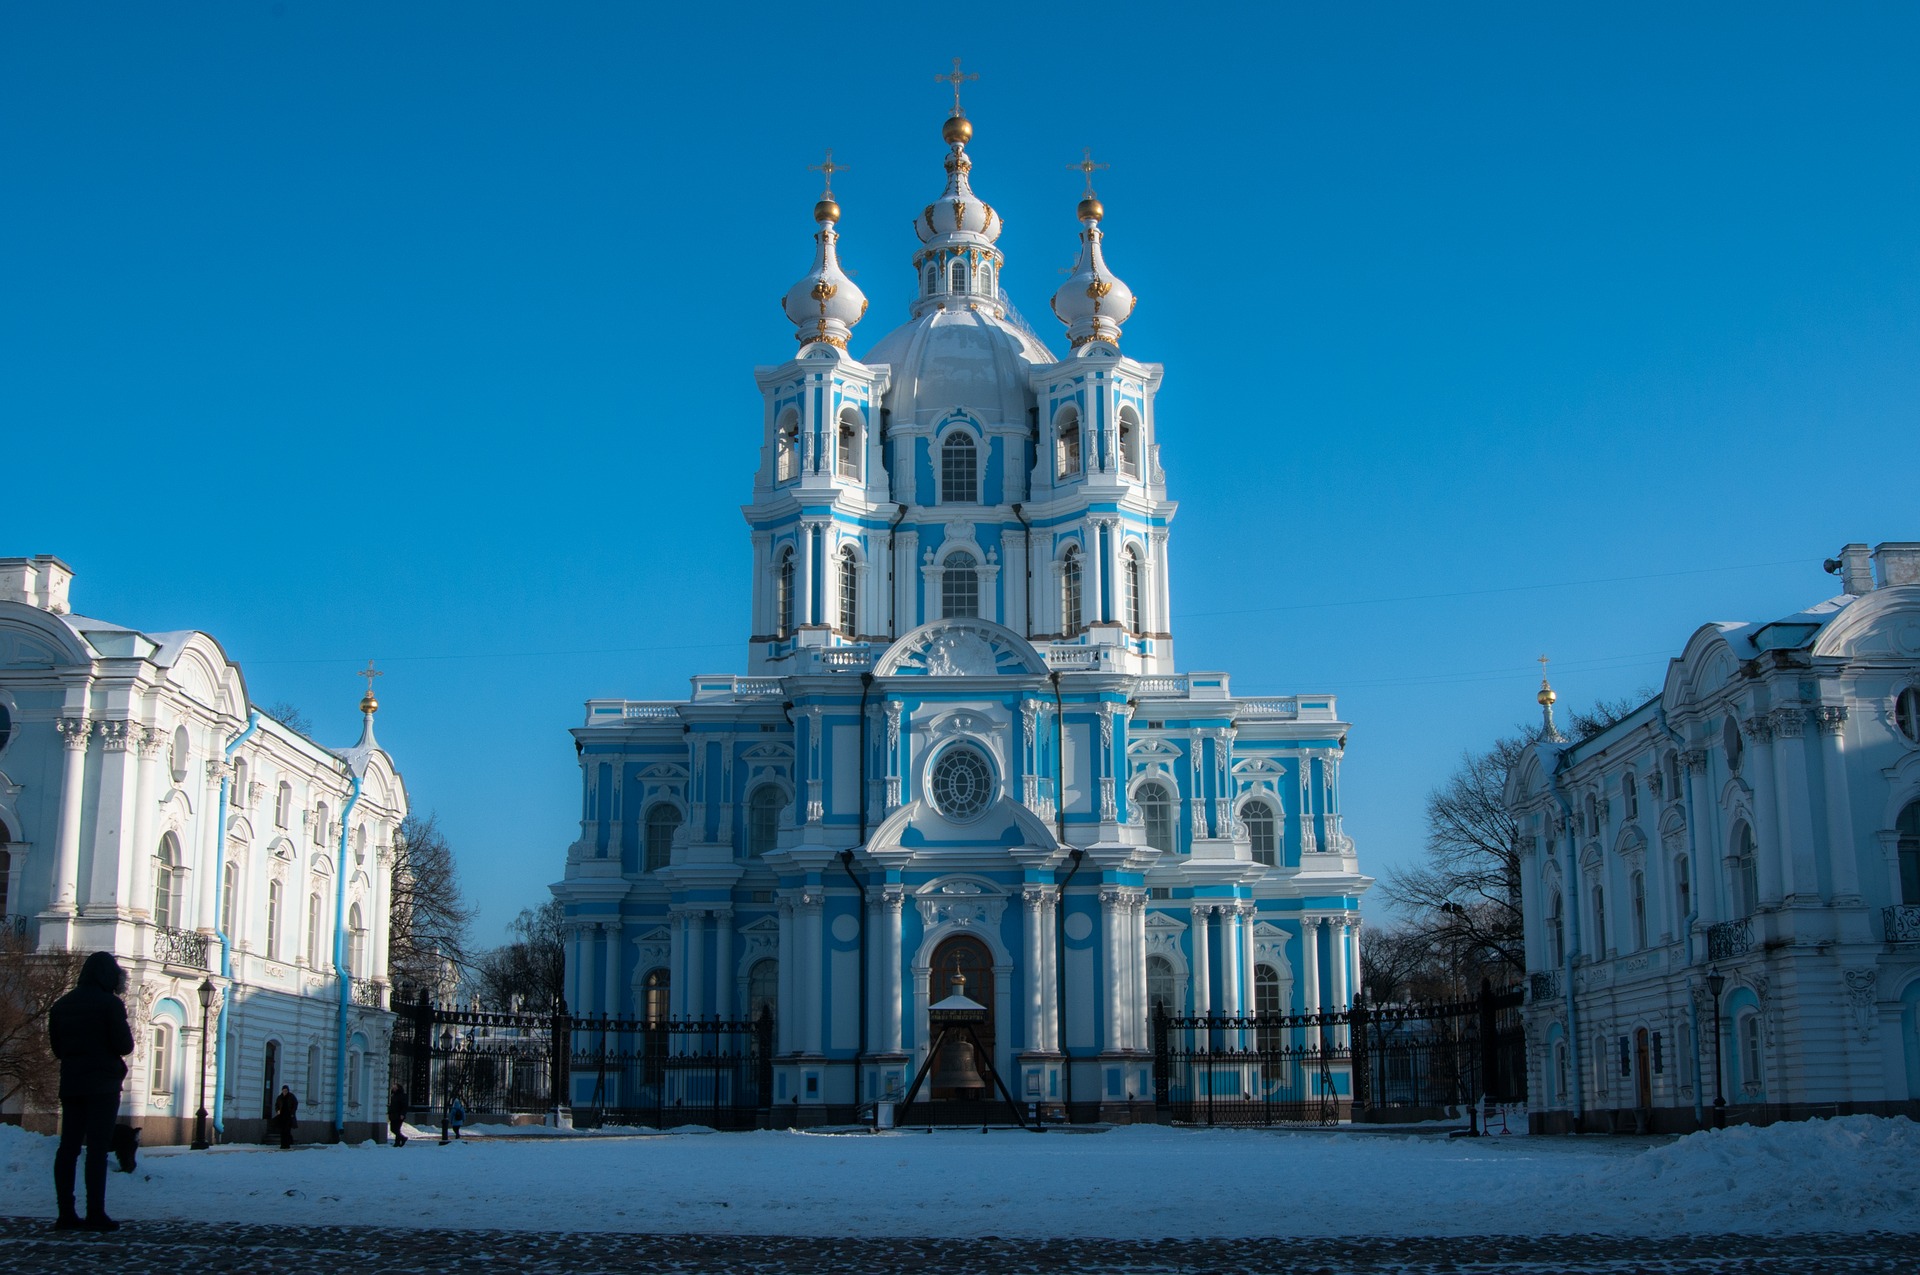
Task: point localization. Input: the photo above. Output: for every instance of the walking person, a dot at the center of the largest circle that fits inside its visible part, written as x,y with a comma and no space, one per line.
91,1037
397,1114
286,1109
457,1116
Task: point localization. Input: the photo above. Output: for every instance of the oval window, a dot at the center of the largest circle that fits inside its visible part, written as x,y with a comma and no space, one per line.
962,784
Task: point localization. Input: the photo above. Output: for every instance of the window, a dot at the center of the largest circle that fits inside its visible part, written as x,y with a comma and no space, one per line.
933,278
283,804
1556,932
1746,873
1630,795
786,448
1130,574
1683,887
849,450
275,893
763,819
1258,816
353,1078
986,278
313,930
1673,775
237,793
1736,746
656,1003
849,593
1637,903
959,469
1593,816
1908,828
1129,443
763,989
783,595
959,586
1066,446
313,1071
663,820
1160,987
1599,922
959,276
229,886
1906,713
160,1061
1560,1070
1156,811
1266,1004
167,872
356,943
961,783
1071,594
1750,1051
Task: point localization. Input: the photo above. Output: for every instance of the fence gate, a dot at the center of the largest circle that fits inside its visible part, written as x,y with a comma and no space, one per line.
1267,1069
1441,1054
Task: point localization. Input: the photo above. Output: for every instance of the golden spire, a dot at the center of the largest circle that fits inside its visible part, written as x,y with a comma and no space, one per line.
368,704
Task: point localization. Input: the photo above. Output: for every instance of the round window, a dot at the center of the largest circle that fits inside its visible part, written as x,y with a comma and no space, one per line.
962,784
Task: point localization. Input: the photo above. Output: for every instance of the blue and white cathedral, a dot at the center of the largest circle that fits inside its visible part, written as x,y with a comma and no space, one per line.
962,748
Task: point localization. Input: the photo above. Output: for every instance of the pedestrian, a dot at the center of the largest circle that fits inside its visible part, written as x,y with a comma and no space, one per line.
397,1114
286,1110
457,1116
90,1036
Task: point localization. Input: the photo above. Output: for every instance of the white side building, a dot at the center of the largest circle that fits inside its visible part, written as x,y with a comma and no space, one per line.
148,810
1755,826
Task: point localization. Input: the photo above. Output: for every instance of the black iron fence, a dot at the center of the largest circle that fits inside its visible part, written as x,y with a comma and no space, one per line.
609,1071
1423,1057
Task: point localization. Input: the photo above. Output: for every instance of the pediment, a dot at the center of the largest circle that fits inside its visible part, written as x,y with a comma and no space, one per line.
768,755
1259,768
1164,922
1142,751
765,925
664,770
961,648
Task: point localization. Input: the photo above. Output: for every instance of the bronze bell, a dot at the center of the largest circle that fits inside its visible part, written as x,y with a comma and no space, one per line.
954,1068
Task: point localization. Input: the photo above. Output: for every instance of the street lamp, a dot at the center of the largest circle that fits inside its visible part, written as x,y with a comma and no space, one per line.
200,1142
446,1080
1716,983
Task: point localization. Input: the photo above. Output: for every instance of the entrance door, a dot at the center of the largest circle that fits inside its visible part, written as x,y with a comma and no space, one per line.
1642,1072
272,1078
964,955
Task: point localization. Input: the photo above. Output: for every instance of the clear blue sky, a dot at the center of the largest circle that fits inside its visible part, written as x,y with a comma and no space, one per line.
426,332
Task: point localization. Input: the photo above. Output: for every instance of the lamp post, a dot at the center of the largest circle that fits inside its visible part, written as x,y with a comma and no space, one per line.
446,1080
200,1142
1716,983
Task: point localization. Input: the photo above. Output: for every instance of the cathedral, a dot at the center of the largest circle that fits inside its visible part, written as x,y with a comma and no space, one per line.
962,758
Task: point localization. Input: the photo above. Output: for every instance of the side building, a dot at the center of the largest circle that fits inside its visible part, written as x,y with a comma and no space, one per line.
148,810
1722,890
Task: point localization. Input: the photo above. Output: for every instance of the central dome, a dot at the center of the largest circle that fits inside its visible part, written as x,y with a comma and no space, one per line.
953,358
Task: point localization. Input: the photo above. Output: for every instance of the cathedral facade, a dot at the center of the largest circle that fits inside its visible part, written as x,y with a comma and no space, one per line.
962,749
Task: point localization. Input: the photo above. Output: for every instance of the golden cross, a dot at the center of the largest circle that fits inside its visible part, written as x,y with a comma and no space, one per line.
1087,165
828,168
956,79
369,672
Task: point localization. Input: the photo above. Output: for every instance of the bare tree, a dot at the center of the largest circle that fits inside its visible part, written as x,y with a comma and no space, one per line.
30,982
1398,966
289,716
1606,712
531,968
429,917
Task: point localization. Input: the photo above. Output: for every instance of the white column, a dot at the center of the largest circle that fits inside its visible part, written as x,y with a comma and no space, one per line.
1772,850
1248,999
612,930
1092,570
113,840
140,887
74,732
1137,965
1050,982
1342,990
906,581
1033,897
1230,977
803,612
589,994
1791,782
1111,921
788,1008
892,998
1310,973
1016,577
723,970
1842,852
1202,976
694,946
677,966
810,972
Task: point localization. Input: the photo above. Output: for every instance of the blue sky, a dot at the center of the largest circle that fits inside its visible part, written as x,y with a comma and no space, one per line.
426,333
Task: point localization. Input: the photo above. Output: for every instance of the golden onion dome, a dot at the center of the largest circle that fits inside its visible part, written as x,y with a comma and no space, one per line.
957,131
368,704
1546,695
826,210
1091,210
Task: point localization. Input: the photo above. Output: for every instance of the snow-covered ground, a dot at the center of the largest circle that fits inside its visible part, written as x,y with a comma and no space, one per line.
1853,1174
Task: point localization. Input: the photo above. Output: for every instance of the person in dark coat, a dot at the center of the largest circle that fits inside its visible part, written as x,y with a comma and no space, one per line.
91,1037
397,1114
286,1109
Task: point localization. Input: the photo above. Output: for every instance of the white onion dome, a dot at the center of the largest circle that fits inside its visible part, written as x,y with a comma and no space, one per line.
958,214
825,304
1093,302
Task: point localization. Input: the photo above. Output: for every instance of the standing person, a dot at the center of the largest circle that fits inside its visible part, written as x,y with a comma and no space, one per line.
457,1116
90,1036
285,1110
397,1114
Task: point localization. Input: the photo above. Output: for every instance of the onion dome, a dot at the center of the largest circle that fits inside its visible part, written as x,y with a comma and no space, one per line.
825,304
958,214
1093,302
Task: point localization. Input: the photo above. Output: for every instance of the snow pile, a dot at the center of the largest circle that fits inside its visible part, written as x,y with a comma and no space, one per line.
1855,1174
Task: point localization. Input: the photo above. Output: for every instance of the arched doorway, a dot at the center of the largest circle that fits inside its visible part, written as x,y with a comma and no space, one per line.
966,956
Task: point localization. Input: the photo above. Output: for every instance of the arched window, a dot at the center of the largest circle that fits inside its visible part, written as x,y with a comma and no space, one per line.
160,1061
1130,577
283,804
656,1005
1637,906
356,943
986,278
167,871
1071,592
1673,775
6,726
1908,827
1735,745
1160,987
849,593
313,1069
1593,816
1560,1071
763,989
275,893
237,794
1129,443
1156,811
1683,888
933,278
763,819
959,276
663,820
1268,1038
1599,922
1066,444
1630,795
1556,932
848,452
313,930
1746,872
959,469
1261,831
786,444
229,887
783,594
959,586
